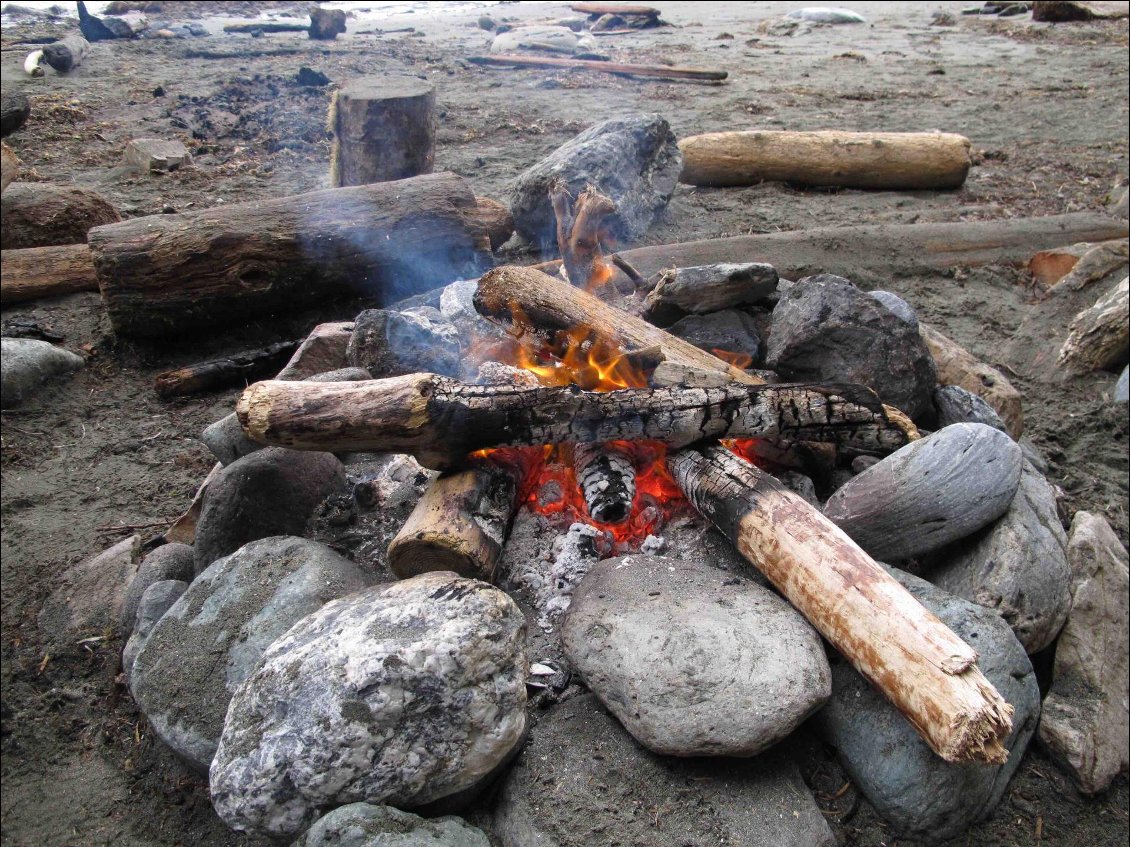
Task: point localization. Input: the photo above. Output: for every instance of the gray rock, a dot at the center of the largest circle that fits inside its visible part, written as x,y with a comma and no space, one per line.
1086,723
929,493
827,330
897,306
209,641
826,15
731,330
1033,455
388,343
915,790
1122,387
800,484
634,160
168,562
88,602
322,351
550,39
366,825
400,694
157,599
156,154
692,661
1017,566
273,491
583,781
27,362
703,289
956,405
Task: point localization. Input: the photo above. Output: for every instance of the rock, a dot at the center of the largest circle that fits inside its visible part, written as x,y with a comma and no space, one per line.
708,288
101,29
896,306
1058,11
1122,387
37,214
389,343
826,15
323,350
15,109
633,160
326,24
156,154
1018,566
310,78
692,661
800,484
911,787
550,39
88,602
827,330
731,331
456,303
956,405
273,491
168,562
213,636
582,781
400,694
157,599
929,493
1085,724
366,825
940,18
26,362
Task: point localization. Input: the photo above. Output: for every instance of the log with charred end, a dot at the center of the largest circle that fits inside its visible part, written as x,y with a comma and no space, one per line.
66,54
925,670
45,272
38,214
238,368
878,160
440,420
9,166
493,220
607,477
1099,337
708,288
172,274
957,366
661,71
578,233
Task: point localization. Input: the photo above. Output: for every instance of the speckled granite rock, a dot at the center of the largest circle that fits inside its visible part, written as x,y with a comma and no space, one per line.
366,825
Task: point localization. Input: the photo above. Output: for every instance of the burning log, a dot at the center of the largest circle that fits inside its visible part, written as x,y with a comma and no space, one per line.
220,373
384,128
607,478
440,420
36,272
925,670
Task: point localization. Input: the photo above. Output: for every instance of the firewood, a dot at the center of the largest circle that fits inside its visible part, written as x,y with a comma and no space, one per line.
607,478
879,160
661,71
600,9
440,420
45,272
172,274
67,53
9,166
384,128
708,288
1099,337
238,368
925,670
38,214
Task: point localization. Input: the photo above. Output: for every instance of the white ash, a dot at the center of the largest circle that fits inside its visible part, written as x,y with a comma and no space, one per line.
653,545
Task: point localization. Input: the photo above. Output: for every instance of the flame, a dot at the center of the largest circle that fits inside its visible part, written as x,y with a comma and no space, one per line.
741,361
602,274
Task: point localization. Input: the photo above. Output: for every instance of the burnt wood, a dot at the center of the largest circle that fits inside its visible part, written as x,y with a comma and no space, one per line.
238,368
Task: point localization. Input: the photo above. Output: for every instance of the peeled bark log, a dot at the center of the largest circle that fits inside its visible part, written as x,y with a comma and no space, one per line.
440,420
384,129
1099,338
171,274
925,670
235,369
661,71
40,215
45,272
9,166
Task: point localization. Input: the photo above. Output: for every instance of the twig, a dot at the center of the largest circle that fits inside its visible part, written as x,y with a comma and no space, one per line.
130,527
623,264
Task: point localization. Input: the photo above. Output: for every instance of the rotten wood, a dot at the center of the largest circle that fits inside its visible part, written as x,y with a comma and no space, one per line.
238,368
914,659
440,420
1099,337
661,71
45,272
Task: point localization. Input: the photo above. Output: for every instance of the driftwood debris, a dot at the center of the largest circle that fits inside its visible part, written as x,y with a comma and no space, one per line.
661,71
384,128
66,54
45,272
263,27
440,420
708,288
230,370
876,160
925,670
38,214
1099,337
621,9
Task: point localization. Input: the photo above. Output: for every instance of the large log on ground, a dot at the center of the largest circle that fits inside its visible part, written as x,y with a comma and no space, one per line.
440,420
66,54
1099,337
37,214
171,274
45,272
384,128
661,71
878,160
9,166
926,671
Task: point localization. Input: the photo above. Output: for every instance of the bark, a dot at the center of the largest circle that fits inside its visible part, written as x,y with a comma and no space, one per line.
236,369
173,274
183,529
918,663
877,160
661,71
440,420
45,272
41,215
1099,338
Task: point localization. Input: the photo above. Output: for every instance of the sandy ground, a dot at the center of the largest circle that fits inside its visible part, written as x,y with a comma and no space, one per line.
1045,107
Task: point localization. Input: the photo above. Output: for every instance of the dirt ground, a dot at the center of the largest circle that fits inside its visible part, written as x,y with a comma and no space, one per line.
1045,108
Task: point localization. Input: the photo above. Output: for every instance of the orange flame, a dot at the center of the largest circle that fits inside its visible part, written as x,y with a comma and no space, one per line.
738,360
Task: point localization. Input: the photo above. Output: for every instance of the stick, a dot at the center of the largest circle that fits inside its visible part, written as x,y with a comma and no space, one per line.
662,71
905,651
266,26
238,368
45,272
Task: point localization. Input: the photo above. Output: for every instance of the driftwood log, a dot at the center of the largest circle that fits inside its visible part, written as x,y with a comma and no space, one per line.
172,274
238,368
925,670
440,420
45,272
384,128
1049,267
661,71
37,214
493,220
877,160
9,166
264,27
1099,337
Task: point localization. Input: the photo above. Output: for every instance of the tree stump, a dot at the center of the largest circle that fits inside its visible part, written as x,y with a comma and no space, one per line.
384,128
